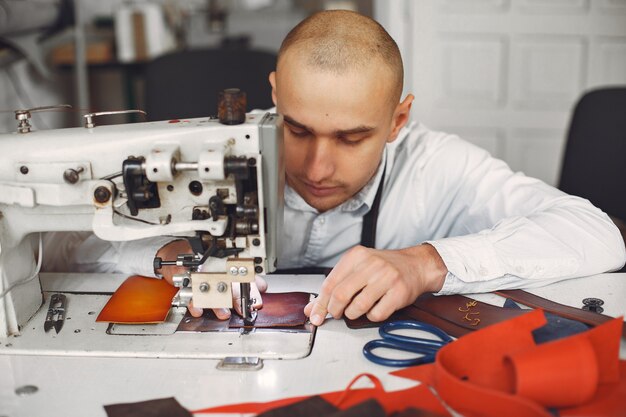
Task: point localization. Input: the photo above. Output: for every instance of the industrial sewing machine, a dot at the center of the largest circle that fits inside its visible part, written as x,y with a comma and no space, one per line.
217,182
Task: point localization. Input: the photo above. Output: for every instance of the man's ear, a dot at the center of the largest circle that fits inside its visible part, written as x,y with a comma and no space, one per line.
272,79
400,117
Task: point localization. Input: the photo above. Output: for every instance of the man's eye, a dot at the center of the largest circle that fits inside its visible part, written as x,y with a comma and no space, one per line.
349,142
299,133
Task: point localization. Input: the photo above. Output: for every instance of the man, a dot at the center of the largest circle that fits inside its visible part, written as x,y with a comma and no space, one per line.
441,215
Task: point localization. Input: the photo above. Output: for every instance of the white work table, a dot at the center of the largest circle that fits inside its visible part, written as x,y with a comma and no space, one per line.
80,385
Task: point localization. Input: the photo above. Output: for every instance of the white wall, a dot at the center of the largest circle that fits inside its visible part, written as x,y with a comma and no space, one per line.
505,74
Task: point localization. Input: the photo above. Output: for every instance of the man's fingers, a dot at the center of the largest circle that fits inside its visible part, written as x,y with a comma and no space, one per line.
344,293
260,283
222,313
255,293
308,308
318,313
365,299
384,308
194,311
344,268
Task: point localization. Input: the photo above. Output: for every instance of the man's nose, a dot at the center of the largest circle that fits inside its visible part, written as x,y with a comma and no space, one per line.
320,161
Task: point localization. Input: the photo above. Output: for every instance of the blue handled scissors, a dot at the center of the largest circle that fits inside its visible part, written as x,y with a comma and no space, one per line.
427,347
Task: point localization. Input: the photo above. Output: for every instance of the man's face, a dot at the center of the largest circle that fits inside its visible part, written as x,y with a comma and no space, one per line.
336,127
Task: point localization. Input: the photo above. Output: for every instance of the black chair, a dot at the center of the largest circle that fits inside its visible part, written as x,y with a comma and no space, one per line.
594,164
186,84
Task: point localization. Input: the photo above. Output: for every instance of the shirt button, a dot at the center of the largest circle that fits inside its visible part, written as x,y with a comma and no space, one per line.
322,220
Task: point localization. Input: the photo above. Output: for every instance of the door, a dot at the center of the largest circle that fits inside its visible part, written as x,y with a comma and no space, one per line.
506,74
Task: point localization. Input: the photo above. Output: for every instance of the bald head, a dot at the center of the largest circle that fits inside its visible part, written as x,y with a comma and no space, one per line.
341,42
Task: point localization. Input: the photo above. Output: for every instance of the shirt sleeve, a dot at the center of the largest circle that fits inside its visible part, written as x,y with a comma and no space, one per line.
509,230
88,253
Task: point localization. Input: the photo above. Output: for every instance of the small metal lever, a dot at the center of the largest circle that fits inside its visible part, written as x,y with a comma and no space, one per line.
89,124
23,116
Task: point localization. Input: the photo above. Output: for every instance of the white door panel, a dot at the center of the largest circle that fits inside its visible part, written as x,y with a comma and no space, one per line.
505,74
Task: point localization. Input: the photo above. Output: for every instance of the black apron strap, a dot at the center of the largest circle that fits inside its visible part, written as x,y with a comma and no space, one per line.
368,232
368,236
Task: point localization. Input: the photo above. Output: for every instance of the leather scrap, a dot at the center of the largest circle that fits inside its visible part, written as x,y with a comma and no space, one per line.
164,407
509,374
139,300
310,407
279,310
418,396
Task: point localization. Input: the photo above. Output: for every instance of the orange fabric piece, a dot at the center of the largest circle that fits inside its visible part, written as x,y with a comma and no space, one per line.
608,401
139,300
500,371
540,373
419,397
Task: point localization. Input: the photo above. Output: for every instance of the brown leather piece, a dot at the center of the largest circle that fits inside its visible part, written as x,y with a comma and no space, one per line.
139,300
163,407
573,313
369,408
465,312
415,412
279,310
456,315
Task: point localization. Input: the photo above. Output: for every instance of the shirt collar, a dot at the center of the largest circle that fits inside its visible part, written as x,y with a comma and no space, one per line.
361,201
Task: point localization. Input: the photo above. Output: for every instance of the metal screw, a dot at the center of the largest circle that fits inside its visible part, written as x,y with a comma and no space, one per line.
243,270
204,287
233,270
71,176
256,242
221,286
24,169
102,194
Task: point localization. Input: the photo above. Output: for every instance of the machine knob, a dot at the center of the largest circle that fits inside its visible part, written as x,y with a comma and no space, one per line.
231,106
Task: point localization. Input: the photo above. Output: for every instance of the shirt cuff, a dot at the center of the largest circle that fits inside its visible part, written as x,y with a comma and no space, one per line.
137,256
472,258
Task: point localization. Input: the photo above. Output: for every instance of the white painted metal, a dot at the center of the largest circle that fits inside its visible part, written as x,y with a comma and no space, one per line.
505,74
37,197
80,386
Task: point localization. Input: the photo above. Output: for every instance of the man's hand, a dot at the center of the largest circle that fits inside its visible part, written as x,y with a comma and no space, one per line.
377,282
173,249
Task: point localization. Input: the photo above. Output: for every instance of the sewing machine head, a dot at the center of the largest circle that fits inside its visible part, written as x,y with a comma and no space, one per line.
220,185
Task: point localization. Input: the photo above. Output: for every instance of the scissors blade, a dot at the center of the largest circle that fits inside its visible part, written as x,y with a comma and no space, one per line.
56,313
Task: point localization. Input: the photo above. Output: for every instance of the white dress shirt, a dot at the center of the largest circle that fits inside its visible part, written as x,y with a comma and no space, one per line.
493,228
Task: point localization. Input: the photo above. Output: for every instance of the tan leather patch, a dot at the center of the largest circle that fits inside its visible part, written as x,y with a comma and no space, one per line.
139,300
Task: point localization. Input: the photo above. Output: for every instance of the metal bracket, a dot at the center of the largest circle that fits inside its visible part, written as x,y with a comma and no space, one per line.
240,363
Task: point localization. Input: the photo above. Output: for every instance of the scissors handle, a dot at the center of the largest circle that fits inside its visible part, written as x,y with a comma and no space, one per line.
386,328
428,353
427,347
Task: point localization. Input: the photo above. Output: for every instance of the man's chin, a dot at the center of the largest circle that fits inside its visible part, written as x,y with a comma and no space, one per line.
323,204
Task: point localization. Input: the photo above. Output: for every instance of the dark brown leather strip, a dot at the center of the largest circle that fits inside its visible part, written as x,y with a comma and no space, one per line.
414,313
279,310
310,407
534,301
464,311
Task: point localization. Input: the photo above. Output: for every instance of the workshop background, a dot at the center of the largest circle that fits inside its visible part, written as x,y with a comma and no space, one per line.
504,74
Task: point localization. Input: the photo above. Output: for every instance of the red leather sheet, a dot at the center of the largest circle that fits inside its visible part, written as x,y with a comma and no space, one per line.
417,397
501,371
